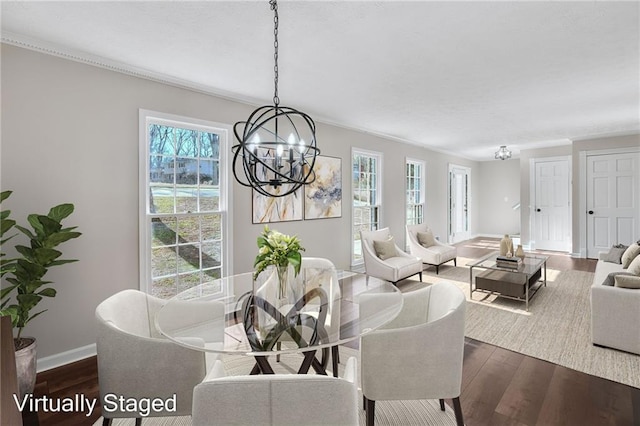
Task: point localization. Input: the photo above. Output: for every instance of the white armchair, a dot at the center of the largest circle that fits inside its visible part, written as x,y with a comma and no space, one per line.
276,399
436,254
135,361
419,354
398,267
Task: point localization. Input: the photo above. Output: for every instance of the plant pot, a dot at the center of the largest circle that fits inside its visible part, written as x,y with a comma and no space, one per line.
26,367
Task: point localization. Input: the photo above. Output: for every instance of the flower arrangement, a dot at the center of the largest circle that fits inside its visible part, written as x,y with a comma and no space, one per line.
277,249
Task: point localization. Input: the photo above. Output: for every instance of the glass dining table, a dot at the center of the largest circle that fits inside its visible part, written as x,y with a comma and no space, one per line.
245,316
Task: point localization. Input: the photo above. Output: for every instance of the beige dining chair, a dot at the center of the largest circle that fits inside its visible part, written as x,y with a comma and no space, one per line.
276,399
135,361
418,355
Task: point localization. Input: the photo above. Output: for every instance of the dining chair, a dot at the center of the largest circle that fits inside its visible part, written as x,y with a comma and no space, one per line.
276,399
135,361
317,272
418,355
394,264
432,253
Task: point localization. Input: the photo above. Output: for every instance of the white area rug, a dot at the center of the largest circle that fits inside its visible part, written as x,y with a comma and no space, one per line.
426,412
557,327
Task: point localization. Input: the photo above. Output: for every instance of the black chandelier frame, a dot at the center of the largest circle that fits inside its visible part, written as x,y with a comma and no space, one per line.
275,167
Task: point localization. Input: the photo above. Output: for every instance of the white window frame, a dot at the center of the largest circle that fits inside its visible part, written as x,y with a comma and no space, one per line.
378,205
147,117
421,191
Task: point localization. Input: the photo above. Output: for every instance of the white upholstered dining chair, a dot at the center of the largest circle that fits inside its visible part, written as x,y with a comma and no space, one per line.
432,253
395,265
276,399
135,361
419,354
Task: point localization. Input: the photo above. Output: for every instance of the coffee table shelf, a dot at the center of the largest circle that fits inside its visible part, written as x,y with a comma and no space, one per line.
511,283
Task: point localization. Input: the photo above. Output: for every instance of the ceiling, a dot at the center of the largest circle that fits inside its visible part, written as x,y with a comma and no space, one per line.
457,77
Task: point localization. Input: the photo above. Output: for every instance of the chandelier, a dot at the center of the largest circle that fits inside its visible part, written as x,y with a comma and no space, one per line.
503,153
276,148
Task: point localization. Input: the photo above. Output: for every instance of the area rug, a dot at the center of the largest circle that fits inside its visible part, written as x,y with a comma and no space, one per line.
557,327
424,412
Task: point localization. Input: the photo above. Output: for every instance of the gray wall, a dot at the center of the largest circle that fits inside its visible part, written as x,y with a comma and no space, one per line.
498,191
70,134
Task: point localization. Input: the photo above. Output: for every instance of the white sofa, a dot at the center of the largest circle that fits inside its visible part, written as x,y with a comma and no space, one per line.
615,312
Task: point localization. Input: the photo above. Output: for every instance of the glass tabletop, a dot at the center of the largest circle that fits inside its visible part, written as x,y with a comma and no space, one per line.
531,263
238,314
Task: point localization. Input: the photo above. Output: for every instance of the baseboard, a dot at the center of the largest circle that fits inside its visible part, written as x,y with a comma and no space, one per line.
67,357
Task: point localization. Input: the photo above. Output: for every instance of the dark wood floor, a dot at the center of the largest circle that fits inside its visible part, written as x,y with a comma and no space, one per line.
499,387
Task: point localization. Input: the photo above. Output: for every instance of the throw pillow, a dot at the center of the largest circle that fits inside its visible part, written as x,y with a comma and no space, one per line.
634,266
426,238
629,254
614,255
610,280
626,281
385,248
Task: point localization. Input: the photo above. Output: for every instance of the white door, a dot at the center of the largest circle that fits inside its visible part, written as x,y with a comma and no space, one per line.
459,203
552,210
613,205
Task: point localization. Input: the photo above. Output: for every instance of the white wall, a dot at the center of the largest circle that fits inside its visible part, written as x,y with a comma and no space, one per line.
70,134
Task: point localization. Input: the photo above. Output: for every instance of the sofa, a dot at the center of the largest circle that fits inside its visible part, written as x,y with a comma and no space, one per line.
615,311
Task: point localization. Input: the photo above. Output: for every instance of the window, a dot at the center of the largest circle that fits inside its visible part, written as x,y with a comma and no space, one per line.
415,191
184,222
366,197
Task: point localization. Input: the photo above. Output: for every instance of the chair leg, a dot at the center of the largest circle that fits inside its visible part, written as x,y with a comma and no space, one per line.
458,410
364,403
278,347
420,275
442,404
138,421
335,359
455,263
371,411
106,421
437,269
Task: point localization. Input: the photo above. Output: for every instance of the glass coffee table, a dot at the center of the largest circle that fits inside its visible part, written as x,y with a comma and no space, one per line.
517,283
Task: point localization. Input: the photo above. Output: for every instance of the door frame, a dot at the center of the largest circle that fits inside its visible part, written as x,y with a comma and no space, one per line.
582,194
467,170
532,196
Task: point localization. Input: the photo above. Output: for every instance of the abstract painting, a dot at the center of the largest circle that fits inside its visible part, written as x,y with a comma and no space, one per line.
323,197
277,209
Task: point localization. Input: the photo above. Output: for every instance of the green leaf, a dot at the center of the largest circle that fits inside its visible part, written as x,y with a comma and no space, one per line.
28,301
4,195
26,252
34,221
26,231
44,256
48,292
35,315
61,211
12,311
49,225
62,262
60,237
6,291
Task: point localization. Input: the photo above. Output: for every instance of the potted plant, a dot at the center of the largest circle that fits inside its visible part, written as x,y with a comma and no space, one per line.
24,275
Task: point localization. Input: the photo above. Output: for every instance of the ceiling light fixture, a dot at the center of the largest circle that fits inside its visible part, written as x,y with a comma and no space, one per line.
277,146
503,153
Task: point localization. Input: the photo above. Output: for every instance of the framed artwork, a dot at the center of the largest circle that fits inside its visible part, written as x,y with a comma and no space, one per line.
323,197
276,209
